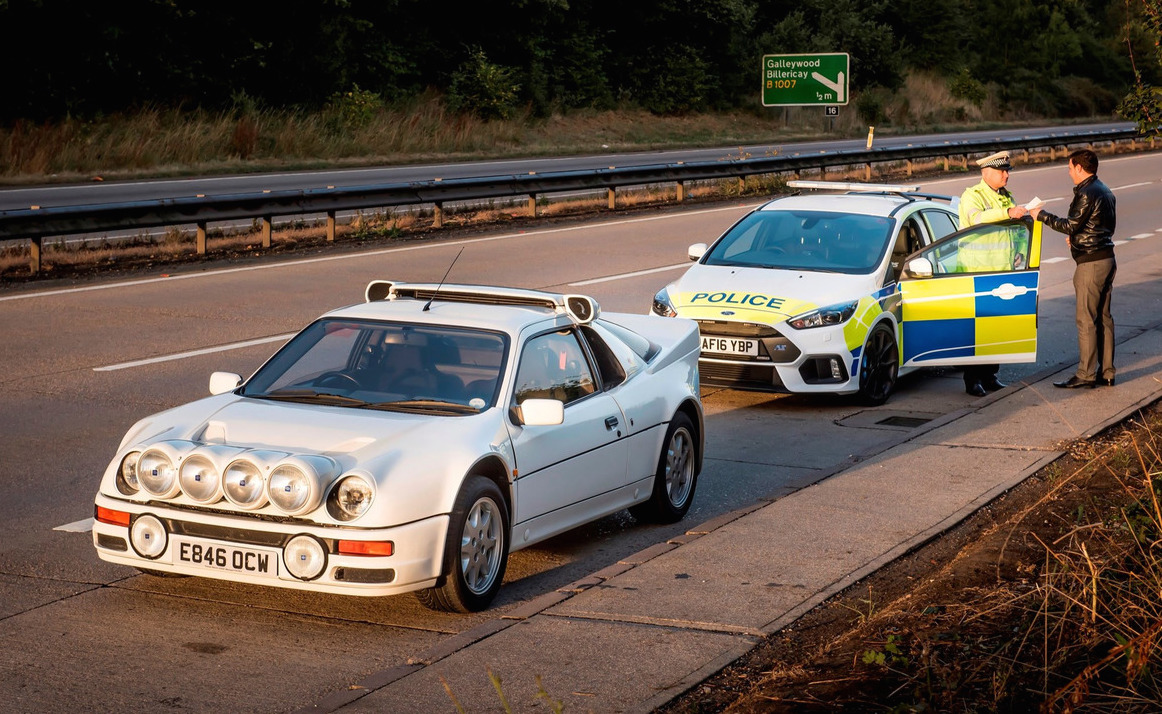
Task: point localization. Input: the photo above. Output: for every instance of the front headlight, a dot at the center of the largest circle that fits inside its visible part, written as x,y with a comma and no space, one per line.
824,316
350,499
663,305
127,482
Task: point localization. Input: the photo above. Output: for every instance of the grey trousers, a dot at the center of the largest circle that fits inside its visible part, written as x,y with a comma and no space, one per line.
1093,283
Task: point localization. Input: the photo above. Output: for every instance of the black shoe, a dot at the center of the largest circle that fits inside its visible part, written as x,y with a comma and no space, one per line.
1103,382
1075,383
992,384
975,389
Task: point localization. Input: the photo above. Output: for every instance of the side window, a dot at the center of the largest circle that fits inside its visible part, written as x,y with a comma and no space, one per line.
908,240
608,364
940,224
985,248
553,366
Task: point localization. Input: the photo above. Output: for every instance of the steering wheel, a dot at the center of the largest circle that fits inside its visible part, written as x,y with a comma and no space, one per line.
337,379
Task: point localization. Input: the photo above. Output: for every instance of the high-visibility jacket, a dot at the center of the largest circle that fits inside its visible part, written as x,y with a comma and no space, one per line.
987,251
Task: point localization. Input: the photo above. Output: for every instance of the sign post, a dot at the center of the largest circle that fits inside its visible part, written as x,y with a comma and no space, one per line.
806,80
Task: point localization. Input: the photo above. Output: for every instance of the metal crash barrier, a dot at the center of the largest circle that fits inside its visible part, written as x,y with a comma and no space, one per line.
36,223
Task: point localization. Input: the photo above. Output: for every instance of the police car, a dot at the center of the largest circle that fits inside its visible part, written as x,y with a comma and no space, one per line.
844,292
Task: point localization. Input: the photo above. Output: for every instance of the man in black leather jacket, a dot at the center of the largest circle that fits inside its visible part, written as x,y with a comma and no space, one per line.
1090,227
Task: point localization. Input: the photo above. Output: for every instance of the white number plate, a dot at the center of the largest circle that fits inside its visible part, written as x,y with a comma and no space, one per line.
218,556
730,345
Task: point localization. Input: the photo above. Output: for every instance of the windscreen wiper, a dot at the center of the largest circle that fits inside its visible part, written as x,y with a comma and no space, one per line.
310,396
407,405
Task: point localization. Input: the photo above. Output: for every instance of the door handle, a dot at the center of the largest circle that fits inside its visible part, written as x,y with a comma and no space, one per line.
611,423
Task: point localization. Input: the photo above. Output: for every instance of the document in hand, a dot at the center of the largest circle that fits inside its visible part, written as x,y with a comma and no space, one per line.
1035,203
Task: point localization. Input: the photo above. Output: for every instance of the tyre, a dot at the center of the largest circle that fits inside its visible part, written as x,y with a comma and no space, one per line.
676,477
476,552
879,365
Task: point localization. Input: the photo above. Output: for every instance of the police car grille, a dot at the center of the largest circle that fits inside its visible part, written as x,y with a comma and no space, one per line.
754,376
736,329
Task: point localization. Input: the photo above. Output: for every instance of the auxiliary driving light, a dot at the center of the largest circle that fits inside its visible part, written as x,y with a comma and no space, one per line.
304,557
243,485
148,537
199,479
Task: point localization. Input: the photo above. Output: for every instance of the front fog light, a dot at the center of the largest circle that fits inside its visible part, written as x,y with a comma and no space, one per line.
304,557
156,474
148,537
243,485
350,499
199,479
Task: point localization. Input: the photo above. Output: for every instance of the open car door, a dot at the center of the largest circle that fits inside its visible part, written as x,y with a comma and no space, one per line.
971,297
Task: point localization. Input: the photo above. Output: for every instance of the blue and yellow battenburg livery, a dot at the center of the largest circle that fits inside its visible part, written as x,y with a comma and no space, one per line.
842,293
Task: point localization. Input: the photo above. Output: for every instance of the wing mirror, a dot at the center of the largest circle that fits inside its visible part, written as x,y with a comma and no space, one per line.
696,251
918,268
222,382
540,412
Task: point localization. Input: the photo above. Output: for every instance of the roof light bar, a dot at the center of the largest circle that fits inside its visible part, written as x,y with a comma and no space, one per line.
851,186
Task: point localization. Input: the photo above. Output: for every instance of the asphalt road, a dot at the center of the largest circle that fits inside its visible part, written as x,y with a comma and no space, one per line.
81,364
118,191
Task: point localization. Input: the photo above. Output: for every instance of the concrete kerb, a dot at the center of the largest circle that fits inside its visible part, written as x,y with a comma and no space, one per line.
539,605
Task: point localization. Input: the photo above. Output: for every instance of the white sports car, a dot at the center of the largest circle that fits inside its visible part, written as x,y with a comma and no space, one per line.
410,443
844,292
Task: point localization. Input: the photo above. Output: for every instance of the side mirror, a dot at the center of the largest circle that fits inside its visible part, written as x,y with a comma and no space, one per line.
540,412
696,251
222,382
918,268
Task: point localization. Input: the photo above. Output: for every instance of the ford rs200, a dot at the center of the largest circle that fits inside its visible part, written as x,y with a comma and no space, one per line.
409,443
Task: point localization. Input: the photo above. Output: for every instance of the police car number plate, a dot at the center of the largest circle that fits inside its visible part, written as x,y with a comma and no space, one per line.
730,346
218,556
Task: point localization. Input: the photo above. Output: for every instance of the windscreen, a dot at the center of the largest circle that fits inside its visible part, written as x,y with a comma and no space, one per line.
804,240
386,366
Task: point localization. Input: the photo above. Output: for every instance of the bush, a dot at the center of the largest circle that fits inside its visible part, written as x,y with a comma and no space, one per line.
680,86
485,89
355,107
965,86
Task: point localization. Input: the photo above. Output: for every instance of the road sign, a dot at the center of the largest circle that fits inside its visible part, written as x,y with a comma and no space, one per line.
805,80
831,110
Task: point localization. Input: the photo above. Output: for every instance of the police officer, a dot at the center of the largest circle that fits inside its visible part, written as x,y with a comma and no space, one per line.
1090,227
988,202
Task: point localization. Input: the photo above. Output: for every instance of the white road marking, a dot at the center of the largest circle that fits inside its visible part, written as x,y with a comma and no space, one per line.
594,281
1131,185
385,251
1047,261
195,353
1119,242
1141,235
76,526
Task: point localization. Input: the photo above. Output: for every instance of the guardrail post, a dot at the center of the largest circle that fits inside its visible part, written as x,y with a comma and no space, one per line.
822,173
532,205
1052,153
908,166
945,164
330,226
438,215
34,255
681,191
267,229
200,239
742,184
612,201
867,173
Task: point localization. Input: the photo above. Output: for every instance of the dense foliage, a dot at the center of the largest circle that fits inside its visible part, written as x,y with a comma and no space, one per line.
73,58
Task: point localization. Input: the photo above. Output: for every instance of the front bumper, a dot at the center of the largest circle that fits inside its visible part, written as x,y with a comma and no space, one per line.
413,565
807,361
